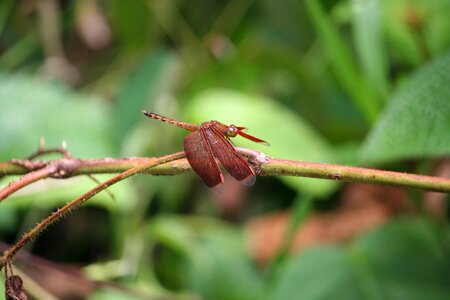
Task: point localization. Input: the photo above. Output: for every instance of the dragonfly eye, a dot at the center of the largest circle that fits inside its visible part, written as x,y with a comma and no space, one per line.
232,131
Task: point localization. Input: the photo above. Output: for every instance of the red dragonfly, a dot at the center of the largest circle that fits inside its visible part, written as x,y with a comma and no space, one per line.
212,139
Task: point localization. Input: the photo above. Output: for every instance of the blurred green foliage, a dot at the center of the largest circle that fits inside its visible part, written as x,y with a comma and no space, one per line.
349,82
404,260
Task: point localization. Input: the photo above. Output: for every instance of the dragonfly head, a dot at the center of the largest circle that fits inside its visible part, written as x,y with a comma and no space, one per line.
232,131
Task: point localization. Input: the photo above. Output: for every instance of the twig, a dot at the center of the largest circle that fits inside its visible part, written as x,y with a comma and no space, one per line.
177,164
267,166
26,180
110,194
60,213
61,168
42,150
354,174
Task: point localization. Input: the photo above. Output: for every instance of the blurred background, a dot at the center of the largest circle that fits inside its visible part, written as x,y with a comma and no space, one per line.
356,82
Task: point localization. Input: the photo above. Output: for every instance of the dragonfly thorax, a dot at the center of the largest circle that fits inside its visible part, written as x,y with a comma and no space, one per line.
229,131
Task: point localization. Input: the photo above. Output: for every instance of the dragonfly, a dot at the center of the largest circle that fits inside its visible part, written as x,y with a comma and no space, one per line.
211,140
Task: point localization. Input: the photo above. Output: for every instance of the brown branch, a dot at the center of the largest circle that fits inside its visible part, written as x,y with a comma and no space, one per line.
354,174
176,164
42,150
60,213
26,180
266,166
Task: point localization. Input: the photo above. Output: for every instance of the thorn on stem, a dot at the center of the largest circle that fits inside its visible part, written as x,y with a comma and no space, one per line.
41,144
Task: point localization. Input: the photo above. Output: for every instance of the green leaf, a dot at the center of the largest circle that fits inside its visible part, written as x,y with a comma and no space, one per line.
216,264
5,11
342,62
151,77
171,232
131,22
405,259
32,109
415,29
223,270
290,137
416,122
322,273
367,31
284,23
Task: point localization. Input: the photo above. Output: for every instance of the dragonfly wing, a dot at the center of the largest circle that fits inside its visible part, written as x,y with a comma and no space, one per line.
200,156
231,160
251,137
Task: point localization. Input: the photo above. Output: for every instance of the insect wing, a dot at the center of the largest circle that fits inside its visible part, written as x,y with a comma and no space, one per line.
200,156
231,160
251,137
